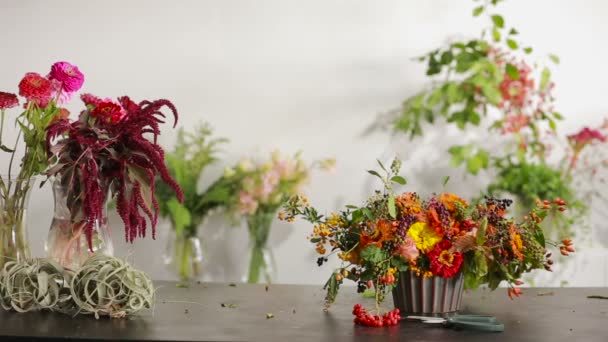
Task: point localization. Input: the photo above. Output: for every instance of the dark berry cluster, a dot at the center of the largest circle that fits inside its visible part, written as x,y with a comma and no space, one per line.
369,320
321,260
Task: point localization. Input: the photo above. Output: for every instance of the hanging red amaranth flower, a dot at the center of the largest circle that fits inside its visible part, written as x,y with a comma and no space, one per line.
8,100
36,88
96,155
444,263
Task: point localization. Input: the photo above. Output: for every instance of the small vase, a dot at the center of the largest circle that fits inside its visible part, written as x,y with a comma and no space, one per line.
67,243
14,197
433,296
184,255
262,259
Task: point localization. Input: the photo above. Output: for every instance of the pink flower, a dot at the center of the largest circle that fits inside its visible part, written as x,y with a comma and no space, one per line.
68,75
247,204
586,136
36,88
8,100
408,249
108,111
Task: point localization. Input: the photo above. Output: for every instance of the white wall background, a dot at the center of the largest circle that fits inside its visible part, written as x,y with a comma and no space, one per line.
308,75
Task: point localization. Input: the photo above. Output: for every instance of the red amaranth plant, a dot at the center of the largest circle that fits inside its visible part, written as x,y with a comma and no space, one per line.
105,149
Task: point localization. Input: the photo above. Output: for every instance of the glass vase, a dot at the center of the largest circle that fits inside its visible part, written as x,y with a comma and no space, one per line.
14,197
184,255
262,261
67,243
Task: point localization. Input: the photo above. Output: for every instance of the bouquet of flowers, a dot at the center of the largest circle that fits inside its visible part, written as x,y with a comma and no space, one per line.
256,191
440,236
43,97
106,151
188,160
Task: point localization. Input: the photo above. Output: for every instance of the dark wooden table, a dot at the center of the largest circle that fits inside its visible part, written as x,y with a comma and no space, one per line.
196,314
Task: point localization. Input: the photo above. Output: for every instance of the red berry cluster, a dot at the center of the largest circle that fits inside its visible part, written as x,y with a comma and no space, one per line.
363,318
387,279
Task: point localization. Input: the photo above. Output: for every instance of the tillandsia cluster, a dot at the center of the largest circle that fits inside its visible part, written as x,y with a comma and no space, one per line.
186,163
102,286
255,191
43,97
442,236
491,81
106,150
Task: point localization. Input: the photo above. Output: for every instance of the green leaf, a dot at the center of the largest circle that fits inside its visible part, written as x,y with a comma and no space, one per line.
378,160
558,116
399,264
399,180
446,179
552,125
180,215
447,57
453,93
332,286
315,240
351,206
481,231
528,50
512,71
554,58
512,44
477,11
539,236
367,213
375,173
544,78
496,34
373,254
434,98
513,31
391,206
498,21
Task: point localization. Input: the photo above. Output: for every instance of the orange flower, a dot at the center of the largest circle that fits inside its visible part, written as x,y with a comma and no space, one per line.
409,203
384,230
516,243
450,200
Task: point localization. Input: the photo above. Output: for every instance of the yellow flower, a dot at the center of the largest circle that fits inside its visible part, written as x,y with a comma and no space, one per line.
518,242
424,236
334,220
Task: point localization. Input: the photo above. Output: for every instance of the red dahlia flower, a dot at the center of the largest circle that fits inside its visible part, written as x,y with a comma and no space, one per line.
8,100
444,263
36,88
587,136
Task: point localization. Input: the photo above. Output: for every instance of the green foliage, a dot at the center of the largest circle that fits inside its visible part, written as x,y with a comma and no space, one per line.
193,152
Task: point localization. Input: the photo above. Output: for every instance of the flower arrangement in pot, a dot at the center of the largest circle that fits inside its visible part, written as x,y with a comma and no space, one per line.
43,97
187,163
105,153
400,242
255,191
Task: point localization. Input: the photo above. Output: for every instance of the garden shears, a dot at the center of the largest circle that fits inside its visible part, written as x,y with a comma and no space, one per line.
470,322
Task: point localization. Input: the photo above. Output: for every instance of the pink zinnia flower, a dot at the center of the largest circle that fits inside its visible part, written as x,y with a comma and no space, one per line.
8,100
36,88
68,75
108,111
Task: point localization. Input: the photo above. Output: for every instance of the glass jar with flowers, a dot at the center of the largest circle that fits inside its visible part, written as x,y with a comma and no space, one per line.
255,191
436,246
186,163
43,96
105,152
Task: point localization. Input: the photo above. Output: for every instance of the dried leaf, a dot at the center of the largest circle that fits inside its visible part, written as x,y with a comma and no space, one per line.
269,315
229,306
464,244
597,297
